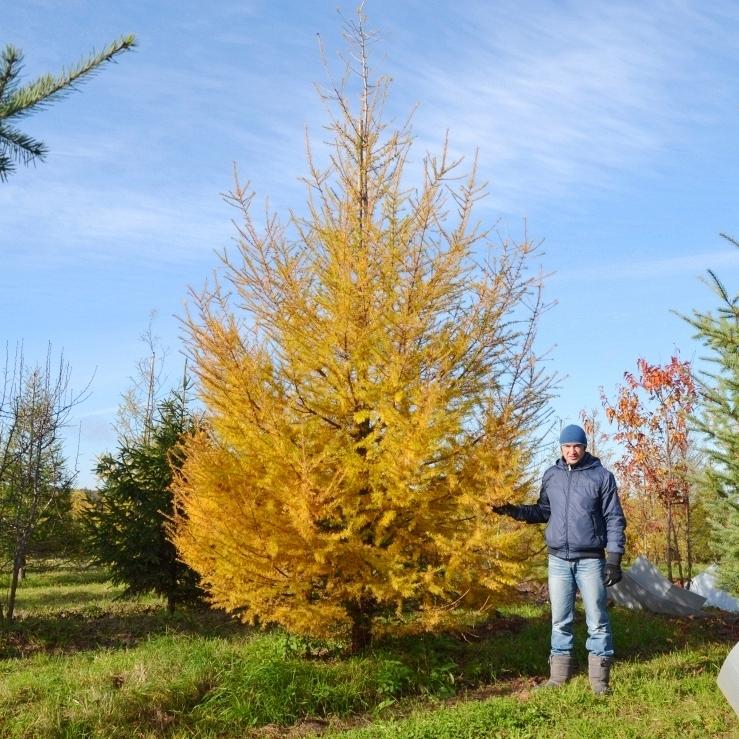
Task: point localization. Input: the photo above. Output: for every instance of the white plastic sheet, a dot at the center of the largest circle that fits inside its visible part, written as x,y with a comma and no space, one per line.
644,587
728,678
705,585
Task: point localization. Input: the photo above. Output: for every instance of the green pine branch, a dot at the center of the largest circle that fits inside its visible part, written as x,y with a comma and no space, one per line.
18,101
19,146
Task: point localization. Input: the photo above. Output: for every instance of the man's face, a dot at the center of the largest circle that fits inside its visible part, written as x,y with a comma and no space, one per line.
572,453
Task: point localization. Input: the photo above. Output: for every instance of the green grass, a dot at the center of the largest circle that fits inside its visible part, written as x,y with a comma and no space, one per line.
81,662
671,695
56,585
69,609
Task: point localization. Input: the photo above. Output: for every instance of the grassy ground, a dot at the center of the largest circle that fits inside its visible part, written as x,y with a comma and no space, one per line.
79,663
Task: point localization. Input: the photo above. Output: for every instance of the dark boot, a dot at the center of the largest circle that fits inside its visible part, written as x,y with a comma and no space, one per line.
561,667
599,672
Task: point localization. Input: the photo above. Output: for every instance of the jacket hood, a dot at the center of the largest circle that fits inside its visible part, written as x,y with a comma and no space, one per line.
588,462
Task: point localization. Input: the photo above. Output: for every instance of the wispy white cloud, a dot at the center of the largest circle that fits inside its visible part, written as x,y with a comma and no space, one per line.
564,97
560,99
144,181
83,224
649,269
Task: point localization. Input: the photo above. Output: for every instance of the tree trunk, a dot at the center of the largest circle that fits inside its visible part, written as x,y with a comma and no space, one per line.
361,613
172,594
688,542
17,566
678,556
669,542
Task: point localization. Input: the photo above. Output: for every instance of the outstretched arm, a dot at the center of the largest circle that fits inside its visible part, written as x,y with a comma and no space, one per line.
537,513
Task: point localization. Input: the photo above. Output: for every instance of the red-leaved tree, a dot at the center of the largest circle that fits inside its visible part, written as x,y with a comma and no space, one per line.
651,411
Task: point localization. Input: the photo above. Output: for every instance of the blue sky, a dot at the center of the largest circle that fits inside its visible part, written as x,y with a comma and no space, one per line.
611,129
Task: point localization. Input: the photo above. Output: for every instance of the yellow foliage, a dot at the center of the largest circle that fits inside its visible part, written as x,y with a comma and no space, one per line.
369,388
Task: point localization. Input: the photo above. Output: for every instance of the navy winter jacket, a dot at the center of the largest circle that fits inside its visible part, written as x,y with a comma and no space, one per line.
581,505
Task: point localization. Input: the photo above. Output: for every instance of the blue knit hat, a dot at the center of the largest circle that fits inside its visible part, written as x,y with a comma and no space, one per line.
573,435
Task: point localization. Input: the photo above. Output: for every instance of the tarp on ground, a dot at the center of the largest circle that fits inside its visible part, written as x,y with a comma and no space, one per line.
705,585
644,587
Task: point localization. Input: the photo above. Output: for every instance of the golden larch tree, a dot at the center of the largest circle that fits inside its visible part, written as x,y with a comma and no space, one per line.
371,389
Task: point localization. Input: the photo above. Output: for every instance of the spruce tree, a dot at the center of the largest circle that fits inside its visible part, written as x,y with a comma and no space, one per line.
127,523
719,421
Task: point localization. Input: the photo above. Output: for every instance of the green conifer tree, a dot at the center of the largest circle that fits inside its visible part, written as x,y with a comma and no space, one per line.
126,525
719,421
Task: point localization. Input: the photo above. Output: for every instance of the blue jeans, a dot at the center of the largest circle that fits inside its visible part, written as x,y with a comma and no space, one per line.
565,578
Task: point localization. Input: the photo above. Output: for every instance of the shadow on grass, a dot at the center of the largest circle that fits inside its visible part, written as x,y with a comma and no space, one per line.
33,600
515,650
639,634
95,627
509,647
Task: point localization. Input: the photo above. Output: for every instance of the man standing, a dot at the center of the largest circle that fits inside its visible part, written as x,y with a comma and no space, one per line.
585,536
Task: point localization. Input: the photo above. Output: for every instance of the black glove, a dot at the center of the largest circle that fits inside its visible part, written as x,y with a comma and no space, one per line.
507,509
613,572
